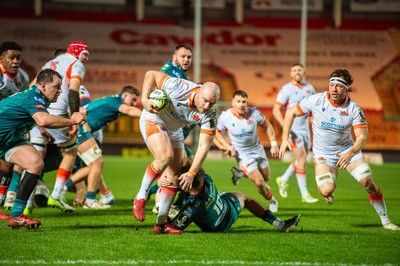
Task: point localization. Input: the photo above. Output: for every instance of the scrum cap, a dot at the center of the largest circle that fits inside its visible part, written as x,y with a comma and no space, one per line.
75,48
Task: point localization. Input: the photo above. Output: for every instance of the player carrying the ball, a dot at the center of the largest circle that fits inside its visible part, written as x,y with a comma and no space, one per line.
190,103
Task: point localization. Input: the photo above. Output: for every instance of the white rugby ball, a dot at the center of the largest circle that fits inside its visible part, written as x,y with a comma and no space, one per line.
159,98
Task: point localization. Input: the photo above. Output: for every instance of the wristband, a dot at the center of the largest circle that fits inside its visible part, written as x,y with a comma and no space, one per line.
274,143
193,174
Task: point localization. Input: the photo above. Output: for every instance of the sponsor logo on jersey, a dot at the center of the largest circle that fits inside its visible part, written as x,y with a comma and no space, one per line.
177,116
38,99
39,106
196,117
53,65
331,125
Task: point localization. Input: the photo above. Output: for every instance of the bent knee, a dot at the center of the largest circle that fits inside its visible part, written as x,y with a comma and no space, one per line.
35,166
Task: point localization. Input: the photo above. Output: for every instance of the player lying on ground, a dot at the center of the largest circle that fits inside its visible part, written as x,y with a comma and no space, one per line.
215,212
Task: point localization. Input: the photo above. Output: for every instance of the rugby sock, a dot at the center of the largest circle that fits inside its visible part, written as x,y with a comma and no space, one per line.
24,192
69,184
105,192
149,176
270,196
167,195
378,203
90,197
14,181
5,179
291,170
61,180
3,191
302,181
153,190
26,186
272,219
18,208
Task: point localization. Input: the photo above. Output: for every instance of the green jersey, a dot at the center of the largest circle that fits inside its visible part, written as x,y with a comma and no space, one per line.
174,70
16,116
103,111
209,210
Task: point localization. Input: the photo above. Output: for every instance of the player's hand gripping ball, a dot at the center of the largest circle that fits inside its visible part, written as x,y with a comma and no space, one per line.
159,98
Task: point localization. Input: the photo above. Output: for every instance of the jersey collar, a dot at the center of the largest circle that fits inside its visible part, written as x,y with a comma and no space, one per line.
238,116
192,95
6,72
294,83
346,101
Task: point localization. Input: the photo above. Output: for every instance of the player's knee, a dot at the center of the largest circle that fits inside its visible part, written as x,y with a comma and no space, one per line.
92,156
362,171
326,189
326,183
36,165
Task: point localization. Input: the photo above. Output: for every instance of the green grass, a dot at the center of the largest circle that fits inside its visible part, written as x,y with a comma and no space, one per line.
346,233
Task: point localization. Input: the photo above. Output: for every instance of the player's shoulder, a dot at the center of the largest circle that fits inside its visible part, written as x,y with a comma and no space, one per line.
251,110
226,113
353,104
23,75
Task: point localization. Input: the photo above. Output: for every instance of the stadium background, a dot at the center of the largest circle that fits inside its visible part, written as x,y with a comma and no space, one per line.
251,52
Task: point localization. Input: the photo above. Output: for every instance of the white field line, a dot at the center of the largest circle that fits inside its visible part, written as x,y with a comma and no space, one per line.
172,262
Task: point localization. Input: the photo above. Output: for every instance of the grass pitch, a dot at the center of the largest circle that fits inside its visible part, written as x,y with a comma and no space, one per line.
348,232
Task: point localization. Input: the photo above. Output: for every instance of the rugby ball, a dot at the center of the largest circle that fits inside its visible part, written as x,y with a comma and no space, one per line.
160,98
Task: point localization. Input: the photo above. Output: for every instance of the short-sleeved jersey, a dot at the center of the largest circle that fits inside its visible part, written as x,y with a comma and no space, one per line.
289,96
331,123
181,110
12,84
174,70
16,114
102,111
68,67
242,130
209,210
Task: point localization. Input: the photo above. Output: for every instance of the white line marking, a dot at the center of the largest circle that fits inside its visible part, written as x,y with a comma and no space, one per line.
193,262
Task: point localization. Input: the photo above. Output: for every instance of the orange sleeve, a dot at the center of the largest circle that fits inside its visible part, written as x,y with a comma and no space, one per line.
361,126
299,109
161,82
207,131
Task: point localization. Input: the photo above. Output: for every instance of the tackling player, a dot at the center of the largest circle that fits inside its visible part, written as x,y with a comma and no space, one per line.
71,66
18,114
212,211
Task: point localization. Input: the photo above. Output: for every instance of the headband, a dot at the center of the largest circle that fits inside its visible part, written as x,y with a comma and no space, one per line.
341,81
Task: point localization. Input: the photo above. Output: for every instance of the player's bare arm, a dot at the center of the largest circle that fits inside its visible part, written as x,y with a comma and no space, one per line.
224,144
132,111
276,111
151,80
272,138
43,119
287,125
186,179
361,135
